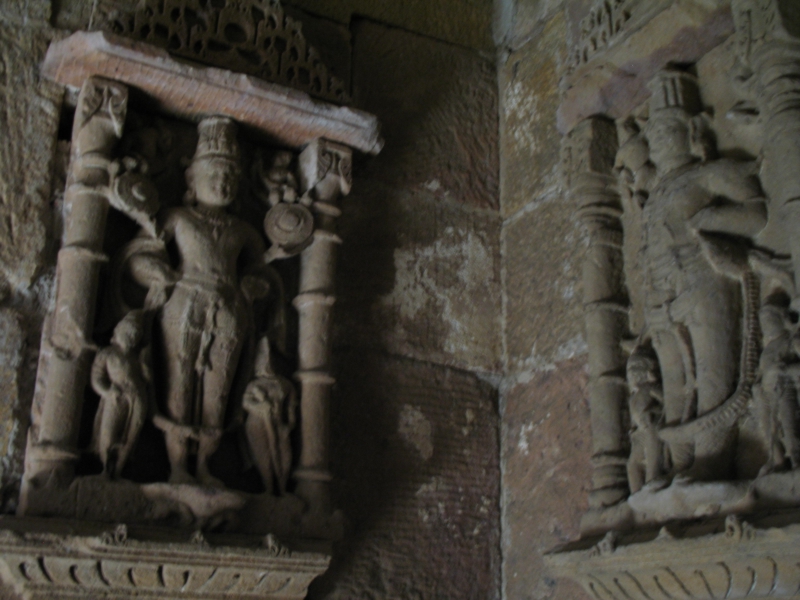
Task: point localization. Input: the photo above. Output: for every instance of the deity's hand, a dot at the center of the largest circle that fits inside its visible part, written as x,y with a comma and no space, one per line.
254,287
157,296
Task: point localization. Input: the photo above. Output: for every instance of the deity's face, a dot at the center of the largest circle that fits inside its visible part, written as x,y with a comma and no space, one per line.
215,181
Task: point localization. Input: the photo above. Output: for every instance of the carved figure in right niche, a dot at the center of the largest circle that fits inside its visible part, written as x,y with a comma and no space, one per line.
271,404
690,303
206,313
776,392
120,376
646,461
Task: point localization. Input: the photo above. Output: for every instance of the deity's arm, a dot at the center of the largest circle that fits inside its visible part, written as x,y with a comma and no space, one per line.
148,262
101,382
255,275
740,206
253,248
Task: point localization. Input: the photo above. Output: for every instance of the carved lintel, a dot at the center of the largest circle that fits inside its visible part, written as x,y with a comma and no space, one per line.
191,91
99,118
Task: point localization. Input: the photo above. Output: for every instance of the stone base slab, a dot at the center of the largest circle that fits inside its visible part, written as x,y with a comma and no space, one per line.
48,559
726,559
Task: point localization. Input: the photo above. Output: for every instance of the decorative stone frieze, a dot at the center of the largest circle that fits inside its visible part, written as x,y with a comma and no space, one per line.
245,36
41,560
691,300
180,419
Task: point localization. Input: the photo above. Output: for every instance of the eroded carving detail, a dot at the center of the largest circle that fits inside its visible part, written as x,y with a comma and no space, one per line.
249,36
599,28
41,566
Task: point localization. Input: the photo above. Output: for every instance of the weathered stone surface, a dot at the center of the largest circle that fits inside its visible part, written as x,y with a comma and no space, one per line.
29,122
467,23
437,104
545,453
543,248
529,93
415,459
288,116
12,356
26,12
72,14
615,81
527,17
419,277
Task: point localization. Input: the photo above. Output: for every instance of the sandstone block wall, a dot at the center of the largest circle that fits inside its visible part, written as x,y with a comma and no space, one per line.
545,437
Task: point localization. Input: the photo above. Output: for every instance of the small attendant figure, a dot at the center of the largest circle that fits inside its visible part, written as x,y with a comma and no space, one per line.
119,376
271,404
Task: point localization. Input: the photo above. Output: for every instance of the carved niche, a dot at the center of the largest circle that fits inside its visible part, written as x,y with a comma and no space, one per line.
692,309
179,437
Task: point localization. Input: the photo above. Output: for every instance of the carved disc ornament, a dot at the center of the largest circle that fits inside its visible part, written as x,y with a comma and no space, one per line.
289,225
247,36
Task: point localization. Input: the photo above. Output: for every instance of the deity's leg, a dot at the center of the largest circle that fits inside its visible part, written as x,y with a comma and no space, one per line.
717,348
258,438
673,374
223,358
181,344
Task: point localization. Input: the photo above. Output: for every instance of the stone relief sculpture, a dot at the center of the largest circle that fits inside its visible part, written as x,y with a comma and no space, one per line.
169,398
690,283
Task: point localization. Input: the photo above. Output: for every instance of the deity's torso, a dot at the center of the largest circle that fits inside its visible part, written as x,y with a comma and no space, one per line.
209,245
673,259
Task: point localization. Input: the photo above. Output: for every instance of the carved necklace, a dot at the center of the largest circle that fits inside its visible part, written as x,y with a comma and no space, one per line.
218,219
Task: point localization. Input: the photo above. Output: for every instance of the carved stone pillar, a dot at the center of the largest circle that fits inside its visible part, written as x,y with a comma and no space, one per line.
768,33
590,150
98,124
325,174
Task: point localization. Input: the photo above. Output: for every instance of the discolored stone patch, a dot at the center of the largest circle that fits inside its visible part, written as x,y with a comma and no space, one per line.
546,443
543,250
529,99
419,277
29,116
425,514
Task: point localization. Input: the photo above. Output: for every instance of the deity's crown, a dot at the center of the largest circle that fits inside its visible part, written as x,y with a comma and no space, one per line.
675,90
216,138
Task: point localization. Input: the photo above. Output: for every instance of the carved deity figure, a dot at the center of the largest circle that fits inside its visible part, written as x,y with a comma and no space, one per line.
206,313
120,375
693,312
646,460
271,404
777,390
